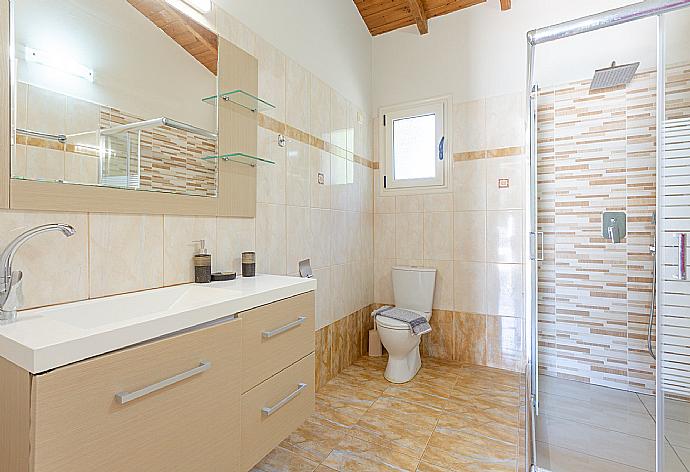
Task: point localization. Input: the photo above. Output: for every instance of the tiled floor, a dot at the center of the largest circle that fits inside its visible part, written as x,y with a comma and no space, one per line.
587,427
449,418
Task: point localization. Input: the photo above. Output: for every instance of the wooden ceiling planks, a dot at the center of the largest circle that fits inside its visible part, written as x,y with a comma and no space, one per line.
190,35
382,16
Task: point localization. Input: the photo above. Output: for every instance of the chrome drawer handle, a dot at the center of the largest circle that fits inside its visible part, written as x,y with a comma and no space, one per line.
282,329
269,410
125,397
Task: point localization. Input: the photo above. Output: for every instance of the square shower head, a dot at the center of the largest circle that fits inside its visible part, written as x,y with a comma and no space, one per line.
613,76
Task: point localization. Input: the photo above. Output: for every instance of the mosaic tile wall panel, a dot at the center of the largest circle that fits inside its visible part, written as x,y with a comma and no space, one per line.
171,160
596,152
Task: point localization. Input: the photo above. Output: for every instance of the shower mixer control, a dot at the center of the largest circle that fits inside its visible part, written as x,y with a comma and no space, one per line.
614,226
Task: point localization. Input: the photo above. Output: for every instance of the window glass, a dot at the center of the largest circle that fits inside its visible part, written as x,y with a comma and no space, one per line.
414,147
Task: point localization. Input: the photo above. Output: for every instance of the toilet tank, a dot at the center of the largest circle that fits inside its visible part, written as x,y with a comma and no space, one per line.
413,287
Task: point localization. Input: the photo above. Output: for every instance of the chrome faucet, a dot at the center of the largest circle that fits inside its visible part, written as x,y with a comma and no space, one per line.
10,281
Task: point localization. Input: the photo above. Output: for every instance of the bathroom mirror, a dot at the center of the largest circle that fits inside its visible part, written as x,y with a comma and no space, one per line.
109,93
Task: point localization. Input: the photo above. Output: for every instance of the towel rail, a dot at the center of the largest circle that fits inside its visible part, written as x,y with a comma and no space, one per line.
61,138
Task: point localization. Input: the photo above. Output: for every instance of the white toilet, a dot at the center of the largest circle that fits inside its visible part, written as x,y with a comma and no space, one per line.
413,289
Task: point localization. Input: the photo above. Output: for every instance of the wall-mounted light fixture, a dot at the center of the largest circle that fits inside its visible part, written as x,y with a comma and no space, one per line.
58,62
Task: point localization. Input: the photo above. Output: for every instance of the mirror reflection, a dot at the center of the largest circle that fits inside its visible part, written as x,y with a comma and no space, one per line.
110,93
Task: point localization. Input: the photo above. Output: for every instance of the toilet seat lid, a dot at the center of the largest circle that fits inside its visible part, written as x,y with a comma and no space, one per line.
390,323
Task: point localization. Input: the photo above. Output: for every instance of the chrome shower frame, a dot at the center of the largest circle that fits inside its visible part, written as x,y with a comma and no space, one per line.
619,16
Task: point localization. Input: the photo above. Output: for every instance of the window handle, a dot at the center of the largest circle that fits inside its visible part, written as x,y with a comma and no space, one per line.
441,147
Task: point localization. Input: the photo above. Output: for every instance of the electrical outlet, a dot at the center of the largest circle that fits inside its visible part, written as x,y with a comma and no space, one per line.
503,183
322,178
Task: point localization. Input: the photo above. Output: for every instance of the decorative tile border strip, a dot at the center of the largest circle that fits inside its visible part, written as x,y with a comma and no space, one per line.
488,153
271,124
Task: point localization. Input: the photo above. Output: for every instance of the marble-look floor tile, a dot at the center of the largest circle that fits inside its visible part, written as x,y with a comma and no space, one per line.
282,460
356,455
314,441
482,423
425,467
419,394
466,452
335,412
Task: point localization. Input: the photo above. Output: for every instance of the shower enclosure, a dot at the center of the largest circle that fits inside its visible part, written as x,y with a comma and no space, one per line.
609,190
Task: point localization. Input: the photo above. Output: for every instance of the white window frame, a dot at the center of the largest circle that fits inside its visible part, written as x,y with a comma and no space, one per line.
438,106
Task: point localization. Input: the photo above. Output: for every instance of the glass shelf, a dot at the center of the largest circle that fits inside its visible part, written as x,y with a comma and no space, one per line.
243,99
240,157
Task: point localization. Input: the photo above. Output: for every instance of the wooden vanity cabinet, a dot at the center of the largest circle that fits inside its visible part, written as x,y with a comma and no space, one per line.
176,403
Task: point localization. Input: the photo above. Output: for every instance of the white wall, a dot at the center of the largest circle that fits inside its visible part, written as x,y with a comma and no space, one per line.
327,37
481,51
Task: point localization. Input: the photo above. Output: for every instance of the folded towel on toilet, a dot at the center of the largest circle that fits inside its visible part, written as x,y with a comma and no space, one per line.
418,323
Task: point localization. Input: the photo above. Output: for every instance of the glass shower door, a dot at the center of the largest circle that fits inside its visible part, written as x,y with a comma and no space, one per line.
673,324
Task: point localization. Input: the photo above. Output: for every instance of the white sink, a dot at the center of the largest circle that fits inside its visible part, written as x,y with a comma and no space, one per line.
46,338
101,312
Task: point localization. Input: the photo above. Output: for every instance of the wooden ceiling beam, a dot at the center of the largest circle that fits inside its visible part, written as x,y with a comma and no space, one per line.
505,5
419,14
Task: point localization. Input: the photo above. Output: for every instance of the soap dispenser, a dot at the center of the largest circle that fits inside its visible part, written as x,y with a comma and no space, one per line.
202,264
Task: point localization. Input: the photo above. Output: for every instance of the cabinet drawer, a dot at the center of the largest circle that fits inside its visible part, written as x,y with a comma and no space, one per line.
274,409
172,404
276,336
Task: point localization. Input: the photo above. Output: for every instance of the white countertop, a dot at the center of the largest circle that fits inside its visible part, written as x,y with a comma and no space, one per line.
46,338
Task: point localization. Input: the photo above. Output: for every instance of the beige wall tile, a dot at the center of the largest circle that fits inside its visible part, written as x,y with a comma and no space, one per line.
235,236
504,289
438,236
320,109
438,202
82,117
469,281
384,204
55,268
383,284
469,124
321,230
513,197
125,253
339,189
504,236
46,110
339,128
339,241
179,233
297,95
409,235
469,236
342,291
20,105
270,178
81,168
237,33
320,163
299,237
297,185
271,77
505,121
44,164
18,166
409,203
443,292
384,236
469,187
270,239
